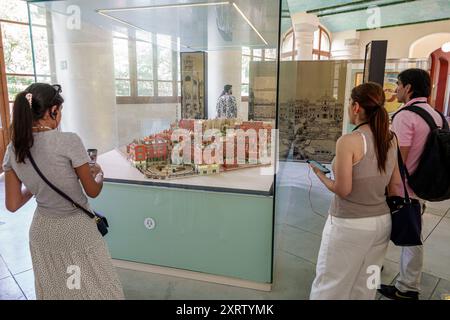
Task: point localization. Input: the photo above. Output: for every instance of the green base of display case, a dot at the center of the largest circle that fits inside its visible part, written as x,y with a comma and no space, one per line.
215,233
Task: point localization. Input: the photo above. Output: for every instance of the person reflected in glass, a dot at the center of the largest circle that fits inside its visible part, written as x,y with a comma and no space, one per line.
227,105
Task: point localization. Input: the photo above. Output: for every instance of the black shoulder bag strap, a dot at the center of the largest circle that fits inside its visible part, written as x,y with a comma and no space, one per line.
426,116
402,169
62,194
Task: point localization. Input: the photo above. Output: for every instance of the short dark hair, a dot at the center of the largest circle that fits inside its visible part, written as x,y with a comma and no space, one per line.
227,87
419,80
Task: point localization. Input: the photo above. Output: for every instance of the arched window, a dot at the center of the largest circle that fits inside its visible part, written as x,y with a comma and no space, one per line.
321,45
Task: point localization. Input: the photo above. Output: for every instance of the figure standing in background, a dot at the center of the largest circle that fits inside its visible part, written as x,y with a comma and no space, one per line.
227,105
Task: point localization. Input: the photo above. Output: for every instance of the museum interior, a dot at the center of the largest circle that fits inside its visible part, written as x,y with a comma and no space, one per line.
202,206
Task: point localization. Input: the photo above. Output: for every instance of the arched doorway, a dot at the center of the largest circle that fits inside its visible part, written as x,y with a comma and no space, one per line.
429,46
440,76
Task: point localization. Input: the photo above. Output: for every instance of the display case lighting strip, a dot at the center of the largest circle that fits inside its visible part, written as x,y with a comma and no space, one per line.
103,12
249,23
167,6
120,20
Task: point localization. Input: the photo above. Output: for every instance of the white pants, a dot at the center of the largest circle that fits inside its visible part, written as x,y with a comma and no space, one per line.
348,248
411,263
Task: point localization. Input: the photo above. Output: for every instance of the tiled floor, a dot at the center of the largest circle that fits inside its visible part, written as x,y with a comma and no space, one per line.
297,239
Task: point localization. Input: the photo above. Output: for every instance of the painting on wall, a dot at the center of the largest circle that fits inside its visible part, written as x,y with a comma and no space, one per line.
311,109
193,85
262,91
389,87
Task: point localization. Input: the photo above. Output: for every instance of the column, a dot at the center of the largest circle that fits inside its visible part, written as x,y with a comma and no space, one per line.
346,45
224,66
85,69
304,25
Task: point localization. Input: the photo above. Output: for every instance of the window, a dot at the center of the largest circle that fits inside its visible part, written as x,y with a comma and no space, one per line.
121,66
321,45
249,55
21,69
144,61
288,47
146,67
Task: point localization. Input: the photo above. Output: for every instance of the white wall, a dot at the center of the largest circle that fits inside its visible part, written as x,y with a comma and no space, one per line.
224,67
401,38
345,45
423,47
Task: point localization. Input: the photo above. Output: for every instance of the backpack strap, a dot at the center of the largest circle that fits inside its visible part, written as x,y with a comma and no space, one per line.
426,116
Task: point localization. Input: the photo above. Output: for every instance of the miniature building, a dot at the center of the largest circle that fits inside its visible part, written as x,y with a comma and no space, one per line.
205,169
138,154
157,148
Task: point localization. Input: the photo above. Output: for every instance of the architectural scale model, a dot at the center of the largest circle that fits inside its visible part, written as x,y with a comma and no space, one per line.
215,146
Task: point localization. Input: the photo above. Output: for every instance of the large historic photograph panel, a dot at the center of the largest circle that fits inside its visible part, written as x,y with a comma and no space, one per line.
311,109
193,85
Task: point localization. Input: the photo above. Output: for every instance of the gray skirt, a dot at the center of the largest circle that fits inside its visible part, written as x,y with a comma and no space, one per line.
71,260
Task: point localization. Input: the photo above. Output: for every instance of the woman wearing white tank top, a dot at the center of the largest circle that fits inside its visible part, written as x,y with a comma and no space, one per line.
357,231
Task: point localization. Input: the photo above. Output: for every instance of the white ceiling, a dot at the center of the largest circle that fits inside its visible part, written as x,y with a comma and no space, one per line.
212,27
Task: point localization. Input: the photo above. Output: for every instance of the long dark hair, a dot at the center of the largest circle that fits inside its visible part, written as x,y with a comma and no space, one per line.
44,97
371,98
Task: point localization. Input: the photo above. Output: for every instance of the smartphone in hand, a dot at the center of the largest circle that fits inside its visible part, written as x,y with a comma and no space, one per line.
93,155
319,166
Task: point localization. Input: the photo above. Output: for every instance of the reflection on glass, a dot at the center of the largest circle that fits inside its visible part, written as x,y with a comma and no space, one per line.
164,41
14,10
123,88
41,50
316,39
288,43
271,54
38,15
164,57
44,79
244,90
257,53
17,84
324,42
144,60
245,68
17,48
165,89
246,51
121,63
145,88
143,36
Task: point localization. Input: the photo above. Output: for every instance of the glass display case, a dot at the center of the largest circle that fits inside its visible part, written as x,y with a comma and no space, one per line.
185,192
313,97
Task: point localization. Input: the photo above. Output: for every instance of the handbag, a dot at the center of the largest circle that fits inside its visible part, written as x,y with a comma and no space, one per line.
100,220
406,214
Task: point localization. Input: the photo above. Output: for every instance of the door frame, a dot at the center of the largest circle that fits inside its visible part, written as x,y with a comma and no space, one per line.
4,104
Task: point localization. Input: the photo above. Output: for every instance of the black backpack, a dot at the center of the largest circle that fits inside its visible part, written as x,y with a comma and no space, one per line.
431,180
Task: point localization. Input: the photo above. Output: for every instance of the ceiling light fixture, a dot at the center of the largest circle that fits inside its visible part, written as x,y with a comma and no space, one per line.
167,6
135,27
249,23
446,47
121,21
103,12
